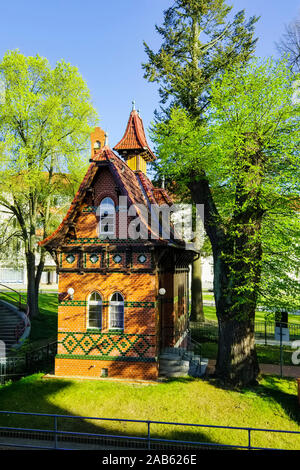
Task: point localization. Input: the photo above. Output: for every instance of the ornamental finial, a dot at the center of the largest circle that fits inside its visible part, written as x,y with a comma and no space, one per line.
133,105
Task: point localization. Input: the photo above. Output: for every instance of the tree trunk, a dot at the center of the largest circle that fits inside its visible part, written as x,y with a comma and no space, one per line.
197,312
32,296
236,361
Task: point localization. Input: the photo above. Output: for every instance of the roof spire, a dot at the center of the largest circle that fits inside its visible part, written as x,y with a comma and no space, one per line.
134,140
133,105
106,139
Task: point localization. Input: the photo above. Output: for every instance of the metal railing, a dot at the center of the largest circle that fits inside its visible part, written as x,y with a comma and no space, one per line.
264,330
22,325
21,304
21,301
28,363
52,438
195,346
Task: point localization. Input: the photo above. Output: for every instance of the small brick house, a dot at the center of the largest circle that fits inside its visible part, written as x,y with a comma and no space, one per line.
112,320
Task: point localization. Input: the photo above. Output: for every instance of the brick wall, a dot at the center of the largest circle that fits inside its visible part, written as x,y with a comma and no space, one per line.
89,264
136,345
82,352
116,369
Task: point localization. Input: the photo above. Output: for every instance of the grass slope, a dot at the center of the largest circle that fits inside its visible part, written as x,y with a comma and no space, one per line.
272,404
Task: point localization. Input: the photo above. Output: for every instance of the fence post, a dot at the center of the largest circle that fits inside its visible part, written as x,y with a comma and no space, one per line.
148,438
55,432
265,332
249,439
200,358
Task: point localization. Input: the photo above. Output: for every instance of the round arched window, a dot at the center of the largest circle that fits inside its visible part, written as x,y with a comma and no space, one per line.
107,217
116,311
97,145
95,310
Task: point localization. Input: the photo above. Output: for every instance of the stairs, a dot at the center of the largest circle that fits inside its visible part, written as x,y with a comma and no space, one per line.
179,362
9,319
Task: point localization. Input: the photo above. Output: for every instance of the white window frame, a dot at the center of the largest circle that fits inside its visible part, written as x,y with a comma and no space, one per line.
112,305
95,303
107,212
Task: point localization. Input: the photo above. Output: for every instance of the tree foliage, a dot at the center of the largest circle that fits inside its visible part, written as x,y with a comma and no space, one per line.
45,121
198,44
247,150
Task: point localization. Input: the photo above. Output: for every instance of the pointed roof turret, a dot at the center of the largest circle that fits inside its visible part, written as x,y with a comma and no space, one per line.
134,140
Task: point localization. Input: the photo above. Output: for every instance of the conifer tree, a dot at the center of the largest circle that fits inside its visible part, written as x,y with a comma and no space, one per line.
198,44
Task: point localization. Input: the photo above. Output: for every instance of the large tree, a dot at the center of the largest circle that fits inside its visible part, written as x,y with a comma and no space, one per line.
198,44
289,45
45,120
243,165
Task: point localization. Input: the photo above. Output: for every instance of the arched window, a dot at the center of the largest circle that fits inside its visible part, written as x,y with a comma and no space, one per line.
95,311
107,217
116,311
97,145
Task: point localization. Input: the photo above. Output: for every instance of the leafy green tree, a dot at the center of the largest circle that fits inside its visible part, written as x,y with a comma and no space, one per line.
45,120
198,44
243,165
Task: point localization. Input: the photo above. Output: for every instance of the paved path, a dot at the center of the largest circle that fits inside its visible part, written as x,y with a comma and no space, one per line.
269,369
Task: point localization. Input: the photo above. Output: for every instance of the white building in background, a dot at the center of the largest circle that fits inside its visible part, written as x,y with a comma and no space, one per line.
182,220
207,273
18,275
13,263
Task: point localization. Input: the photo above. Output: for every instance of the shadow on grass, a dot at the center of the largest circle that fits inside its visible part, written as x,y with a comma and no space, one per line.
281,391
32,394
270,388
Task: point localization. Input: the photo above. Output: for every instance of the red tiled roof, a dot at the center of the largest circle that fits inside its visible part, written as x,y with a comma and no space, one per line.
135,138
63,227
135,185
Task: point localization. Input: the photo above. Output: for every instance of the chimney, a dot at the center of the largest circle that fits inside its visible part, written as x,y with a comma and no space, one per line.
97,140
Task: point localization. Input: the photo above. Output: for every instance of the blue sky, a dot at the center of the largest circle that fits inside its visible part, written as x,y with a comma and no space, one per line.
104,39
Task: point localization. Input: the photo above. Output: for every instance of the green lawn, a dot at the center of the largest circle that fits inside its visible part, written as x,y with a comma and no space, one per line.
272,405
210,314
43,327
266,354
